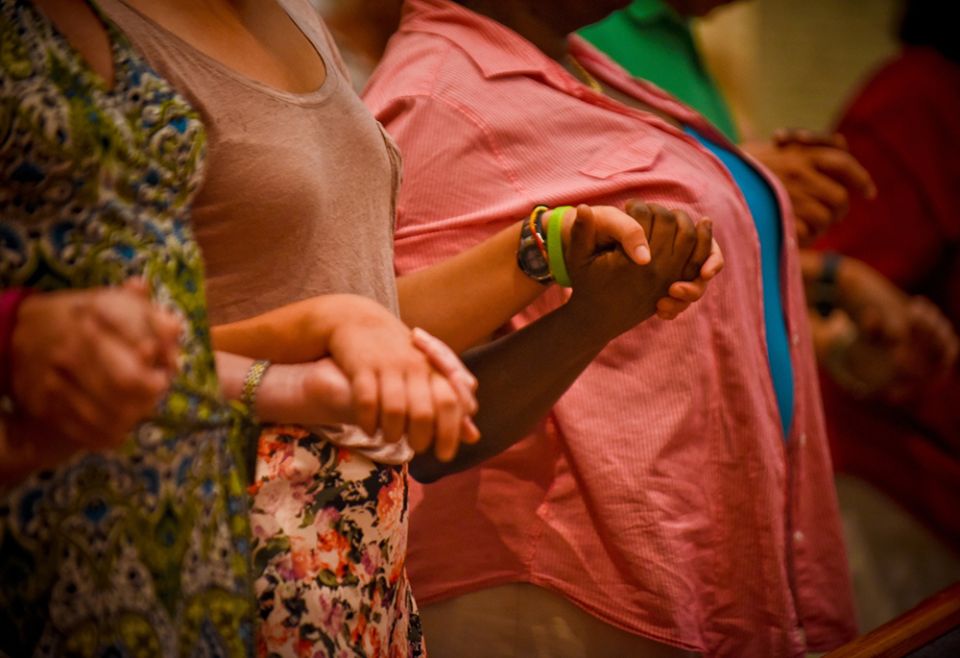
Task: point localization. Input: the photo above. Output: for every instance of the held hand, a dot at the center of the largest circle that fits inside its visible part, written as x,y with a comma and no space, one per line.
93,363
926,354
876,306
394,385
611,291
908,336
613,228
820,176
704,264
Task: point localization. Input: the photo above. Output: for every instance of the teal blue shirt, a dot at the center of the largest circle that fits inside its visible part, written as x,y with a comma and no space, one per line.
766,216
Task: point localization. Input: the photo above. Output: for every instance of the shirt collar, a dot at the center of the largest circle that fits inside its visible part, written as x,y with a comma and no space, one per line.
495,49
653,11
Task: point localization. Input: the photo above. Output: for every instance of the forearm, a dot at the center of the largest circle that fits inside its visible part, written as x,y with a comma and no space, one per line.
464,299
521,376
295,333
313,393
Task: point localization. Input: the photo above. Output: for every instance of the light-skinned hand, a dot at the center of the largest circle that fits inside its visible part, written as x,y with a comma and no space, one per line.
93,363
820,176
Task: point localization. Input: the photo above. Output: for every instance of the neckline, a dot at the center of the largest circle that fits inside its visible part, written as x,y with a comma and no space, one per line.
330,83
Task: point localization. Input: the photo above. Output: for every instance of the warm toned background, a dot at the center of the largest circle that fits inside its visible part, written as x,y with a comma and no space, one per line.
793,62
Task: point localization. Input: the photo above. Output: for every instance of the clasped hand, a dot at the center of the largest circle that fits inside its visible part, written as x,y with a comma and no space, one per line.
650,261
88,365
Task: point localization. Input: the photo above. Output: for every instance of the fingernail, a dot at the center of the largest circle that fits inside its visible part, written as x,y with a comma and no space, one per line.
643,254
472,433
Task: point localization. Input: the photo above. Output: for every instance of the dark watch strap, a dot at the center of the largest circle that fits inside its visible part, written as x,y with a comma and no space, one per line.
825,296
531,256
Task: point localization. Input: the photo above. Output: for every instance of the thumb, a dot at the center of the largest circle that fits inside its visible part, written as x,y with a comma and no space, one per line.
615,227
583,237
137,285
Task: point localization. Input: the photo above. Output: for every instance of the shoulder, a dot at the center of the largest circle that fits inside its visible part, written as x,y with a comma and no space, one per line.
420,64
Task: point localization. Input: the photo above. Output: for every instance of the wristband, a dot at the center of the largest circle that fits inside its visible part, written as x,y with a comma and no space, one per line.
558,267
10,301
251,383
824,295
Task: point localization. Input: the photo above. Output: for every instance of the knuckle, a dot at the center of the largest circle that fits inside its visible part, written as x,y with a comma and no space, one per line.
637,207
422,417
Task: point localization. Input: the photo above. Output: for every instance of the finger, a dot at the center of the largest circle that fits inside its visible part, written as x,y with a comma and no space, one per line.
421,414
583,239
688,291
113,371
664,230
469,433
393,405
137,285
128,391
126,313
642,214
615,226
804,137
685,238
829,193
366,401
449,419
154,329
715,262
449,365
701,250
930,329
813,214
168,327
846,170
669,308
88,423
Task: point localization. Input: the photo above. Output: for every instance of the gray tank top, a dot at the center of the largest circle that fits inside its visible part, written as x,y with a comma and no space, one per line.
298,197
299,191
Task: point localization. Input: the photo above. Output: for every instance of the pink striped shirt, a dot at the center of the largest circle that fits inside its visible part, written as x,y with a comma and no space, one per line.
660,495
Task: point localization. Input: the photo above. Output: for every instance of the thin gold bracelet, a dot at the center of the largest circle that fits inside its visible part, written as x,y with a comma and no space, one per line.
251,383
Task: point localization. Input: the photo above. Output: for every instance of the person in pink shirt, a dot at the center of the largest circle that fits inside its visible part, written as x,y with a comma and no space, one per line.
679,497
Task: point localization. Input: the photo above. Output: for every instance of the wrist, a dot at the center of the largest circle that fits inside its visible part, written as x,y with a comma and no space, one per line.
578,320
825,290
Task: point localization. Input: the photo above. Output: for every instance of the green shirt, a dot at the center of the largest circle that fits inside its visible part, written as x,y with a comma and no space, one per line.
655,43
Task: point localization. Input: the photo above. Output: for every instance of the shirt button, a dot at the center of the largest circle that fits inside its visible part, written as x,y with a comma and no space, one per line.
802,438
795,339
798,536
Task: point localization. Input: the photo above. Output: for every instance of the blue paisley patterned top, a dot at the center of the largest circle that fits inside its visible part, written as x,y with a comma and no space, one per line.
143,551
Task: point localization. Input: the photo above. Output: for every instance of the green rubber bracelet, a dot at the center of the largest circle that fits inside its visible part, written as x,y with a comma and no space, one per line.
558,267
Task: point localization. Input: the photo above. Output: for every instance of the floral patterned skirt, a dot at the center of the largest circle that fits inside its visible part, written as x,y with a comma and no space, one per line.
330,539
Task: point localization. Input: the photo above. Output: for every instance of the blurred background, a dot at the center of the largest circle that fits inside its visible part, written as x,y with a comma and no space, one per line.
783,63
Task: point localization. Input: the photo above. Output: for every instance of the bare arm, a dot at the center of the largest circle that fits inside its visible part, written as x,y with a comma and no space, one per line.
611,295
465,299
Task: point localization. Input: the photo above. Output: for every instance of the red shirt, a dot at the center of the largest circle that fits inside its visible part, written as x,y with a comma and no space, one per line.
660,495
904,126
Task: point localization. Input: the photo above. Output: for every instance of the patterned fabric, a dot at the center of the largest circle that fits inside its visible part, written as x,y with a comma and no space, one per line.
330,536
142,551
263,204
